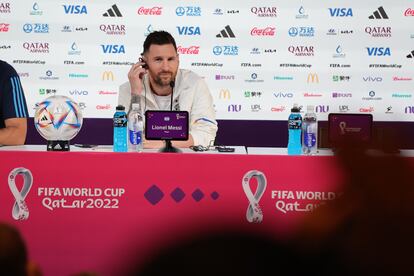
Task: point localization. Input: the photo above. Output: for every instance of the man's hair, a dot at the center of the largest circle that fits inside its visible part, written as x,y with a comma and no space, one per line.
13,254
159,38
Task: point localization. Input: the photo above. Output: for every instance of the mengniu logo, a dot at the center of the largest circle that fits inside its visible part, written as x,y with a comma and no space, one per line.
227,32
188,30
234,108
20,211
4,27
411,55
113,49
322,109
313,78
379,14
75,9
108,75
409,110
341,12
112,12
379,51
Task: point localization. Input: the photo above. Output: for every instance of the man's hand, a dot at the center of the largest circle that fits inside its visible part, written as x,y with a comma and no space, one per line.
14,133
135,75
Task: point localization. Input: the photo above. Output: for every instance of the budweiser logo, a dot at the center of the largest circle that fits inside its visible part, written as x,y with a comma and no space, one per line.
268,31
401,79
107,92
192,50
409,12
150,11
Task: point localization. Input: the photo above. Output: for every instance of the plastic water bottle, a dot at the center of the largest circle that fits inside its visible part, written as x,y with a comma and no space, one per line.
310,132
120,129
295,130
135,129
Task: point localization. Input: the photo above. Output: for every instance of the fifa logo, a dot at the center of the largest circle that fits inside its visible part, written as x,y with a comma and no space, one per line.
313,78
20,210
254,213
108,75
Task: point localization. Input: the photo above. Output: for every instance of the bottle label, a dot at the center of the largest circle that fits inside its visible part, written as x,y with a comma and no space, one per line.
309,139
120,122
135,137
295,124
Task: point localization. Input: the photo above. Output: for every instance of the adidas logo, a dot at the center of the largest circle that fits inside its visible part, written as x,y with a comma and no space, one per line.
379,14
226,32
411,55
113,12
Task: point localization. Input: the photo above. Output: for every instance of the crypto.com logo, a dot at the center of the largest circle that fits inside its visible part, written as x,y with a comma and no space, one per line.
20,210
254,213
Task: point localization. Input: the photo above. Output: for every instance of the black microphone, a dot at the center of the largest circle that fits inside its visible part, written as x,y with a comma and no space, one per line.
172,84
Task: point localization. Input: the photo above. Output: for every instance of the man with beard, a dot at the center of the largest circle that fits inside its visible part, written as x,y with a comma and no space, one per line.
153,79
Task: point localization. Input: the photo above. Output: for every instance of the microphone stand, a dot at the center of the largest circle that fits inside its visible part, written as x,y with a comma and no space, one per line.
168,145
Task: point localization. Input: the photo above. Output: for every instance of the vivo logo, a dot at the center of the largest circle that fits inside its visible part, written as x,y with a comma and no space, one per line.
322,109
341,12
113,49
234,108
75,9
188,30
379,51
372,79
283,95
78,92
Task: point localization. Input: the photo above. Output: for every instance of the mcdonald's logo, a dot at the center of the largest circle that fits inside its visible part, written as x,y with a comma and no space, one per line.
108,75
313,78
224,94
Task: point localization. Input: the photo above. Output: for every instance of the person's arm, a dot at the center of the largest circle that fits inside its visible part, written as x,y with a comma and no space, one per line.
14,132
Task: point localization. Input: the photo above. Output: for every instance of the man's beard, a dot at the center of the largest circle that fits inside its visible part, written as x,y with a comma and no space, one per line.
163,81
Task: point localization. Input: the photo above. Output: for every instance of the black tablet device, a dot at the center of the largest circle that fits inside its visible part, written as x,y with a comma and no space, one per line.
166,125
349,127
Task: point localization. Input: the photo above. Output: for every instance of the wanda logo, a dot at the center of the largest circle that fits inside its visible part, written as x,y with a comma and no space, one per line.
150,11
192,50
409,12
268,31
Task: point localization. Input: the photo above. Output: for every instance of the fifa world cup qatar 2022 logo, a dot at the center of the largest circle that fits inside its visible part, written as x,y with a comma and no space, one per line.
254,212
20,210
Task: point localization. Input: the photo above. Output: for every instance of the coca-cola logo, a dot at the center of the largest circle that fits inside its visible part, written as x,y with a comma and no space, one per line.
192,50
268,31
409,12
150,11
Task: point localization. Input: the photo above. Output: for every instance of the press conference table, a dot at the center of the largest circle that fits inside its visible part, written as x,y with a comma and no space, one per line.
95,210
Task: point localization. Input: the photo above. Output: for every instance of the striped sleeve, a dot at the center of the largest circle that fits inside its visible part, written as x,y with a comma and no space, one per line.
14,102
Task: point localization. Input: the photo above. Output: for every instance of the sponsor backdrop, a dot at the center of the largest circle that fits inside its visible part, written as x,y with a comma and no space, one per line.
258,58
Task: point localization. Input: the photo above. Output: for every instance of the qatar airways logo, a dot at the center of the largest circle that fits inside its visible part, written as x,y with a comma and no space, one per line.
192,50
409,12
150,11
264,11
268,31
302,51
37,47
112,29
378,31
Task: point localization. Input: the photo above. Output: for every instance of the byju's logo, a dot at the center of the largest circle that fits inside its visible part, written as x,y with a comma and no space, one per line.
379,51
254,212
340,12
113,49
20,210
112,12
226,32
379,14
75,9
188,11
188,30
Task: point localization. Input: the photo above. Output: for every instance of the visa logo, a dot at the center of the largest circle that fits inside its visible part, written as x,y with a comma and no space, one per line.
75,9
184,30
379,51
342,12
113,49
